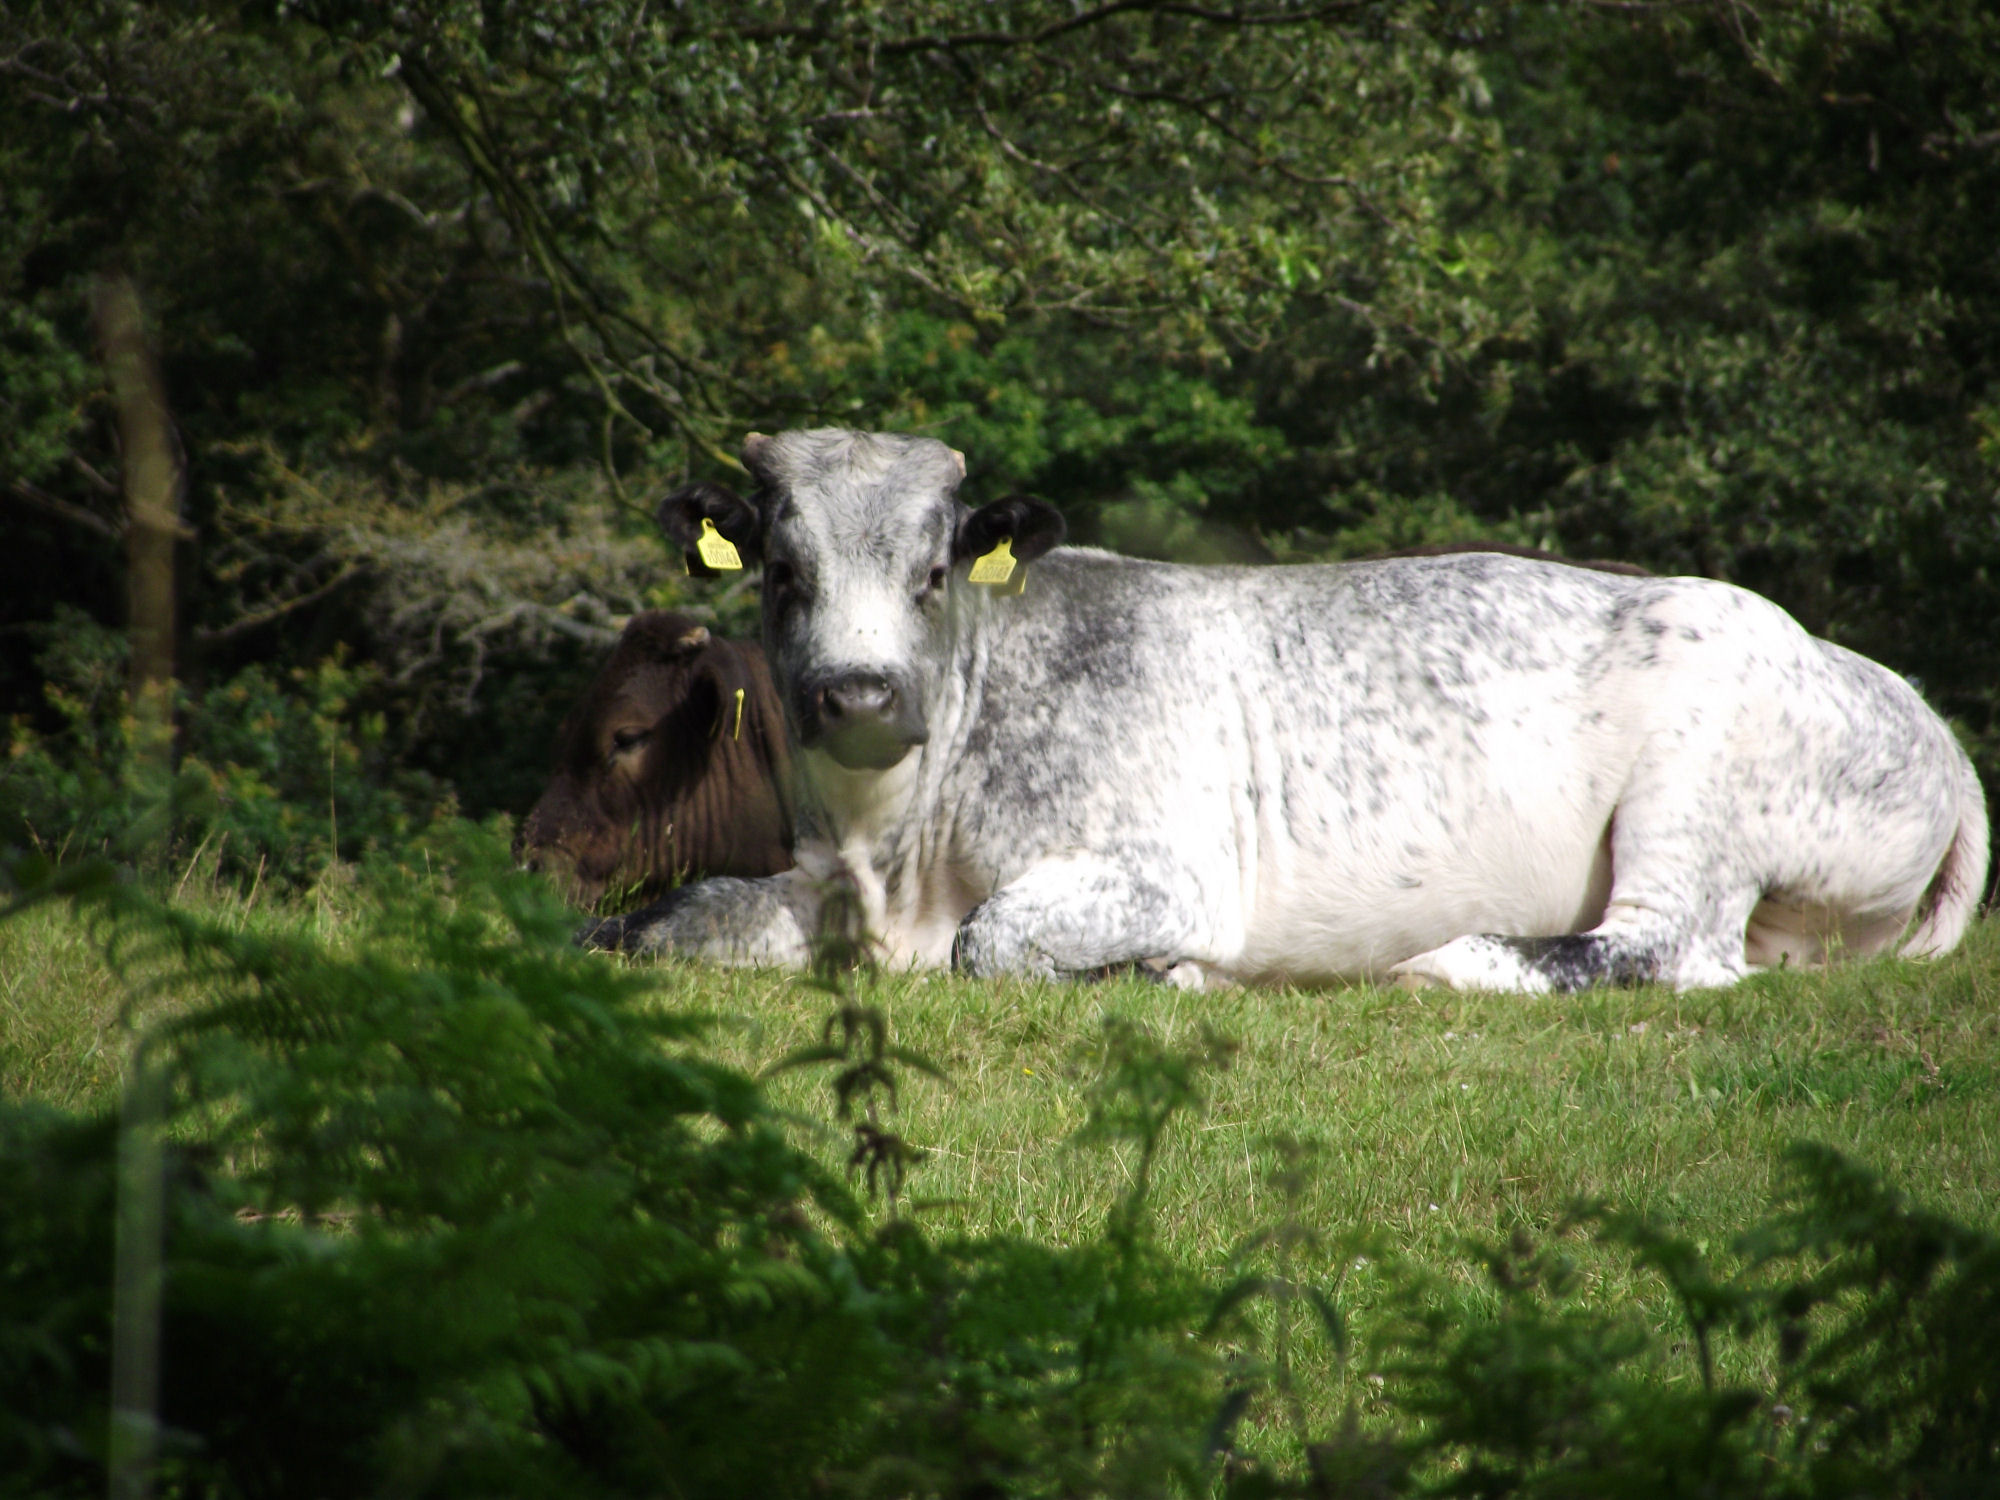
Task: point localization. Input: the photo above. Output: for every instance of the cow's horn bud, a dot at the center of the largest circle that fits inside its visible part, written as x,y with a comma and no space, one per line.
959,459
754,446
695,637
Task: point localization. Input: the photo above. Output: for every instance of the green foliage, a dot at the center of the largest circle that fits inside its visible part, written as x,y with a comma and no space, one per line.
465,1159
41,386
1903,1373
1523,1387
278,777
453,1209
1147,458
1707,287
478,610
1740,323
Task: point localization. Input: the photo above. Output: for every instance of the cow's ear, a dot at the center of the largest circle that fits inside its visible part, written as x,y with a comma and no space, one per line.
698,517
1032,526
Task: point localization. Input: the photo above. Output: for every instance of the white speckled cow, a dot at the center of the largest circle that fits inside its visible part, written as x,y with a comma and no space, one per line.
1480,770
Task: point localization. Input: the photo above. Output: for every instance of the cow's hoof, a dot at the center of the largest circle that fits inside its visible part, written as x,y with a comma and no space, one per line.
607,933
1185,975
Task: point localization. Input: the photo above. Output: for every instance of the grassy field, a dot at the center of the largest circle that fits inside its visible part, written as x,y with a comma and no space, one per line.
1430,1120
1436,1119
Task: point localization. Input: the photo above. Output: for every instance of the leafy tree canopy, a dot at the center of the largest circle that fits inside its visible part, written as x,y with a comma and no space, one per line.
1710,286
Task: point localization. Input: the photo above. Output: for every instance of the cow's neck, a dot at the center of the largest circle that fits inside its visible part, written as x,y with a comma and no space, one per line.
857,812
882,829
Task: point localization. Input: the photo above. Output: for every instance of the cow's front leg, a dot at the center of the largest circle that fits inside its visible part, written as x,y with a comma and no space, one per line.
724,920
1075,916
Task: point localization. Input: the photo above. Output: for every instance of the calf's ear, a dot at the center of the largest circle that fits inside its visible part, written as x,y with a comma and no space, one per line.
727,514
1032,526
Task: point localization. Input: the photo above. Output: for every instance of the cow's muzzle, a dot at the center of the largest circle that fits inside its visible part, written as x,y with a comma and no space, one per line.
864,720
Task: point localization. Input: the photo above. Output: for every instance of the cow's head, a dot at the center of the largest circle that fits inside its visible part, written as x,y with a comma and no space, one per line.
862,538
661,770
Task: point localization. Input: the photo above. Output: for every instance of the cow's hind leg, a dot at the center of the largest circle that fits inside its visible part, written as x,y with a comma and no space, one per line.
1632,946
1680,901
1532,965
1615,954
1076,916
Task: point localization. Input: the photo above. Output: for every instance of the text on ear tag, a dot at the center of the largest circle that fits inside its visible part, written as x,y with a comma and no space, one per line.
996,566
717,550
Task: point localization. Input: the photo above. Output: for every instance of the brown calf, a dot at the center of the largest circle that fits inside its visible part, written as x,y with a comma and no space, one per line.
671,766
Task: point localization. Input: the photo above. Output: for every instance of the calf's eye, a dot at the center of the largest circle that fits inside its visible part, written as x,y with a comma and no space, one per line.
623,740
937,578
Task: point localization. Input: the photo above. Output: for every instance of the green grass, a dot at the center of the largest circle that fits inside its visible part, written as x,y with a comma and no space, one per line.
1438,1118
62,1035
1435,1119
1438,1114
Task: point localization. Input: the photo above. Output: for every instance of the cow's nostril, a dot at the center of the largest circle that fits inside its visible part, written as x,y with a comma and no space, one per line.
856,697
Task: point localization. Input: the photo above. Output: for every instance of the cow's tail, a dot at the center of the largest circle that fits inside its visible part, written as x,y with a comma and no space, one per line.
1953,898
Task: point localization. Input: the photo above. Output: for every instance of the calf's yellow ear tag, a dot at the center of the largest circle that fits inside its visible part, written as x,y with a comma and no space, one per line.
737,732
717,550
997,567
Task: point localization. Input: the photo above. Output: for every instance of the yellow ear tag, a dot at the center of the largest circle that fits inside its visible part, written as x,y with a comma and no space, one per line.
997,566
717,550
737,732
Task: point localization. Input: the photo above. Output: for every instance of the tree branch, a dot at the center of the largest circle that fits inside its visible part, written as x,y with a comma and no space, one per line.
263,617
1938,143
39,498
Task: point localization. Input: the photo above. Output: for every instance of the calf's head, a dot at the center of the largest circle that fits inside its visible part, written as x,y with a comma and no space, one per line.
863,539
661,771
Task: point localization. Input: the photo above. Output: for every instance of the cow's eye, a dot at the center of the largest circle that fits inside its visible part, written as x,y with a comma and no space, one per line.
780,578
936,580
623,740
